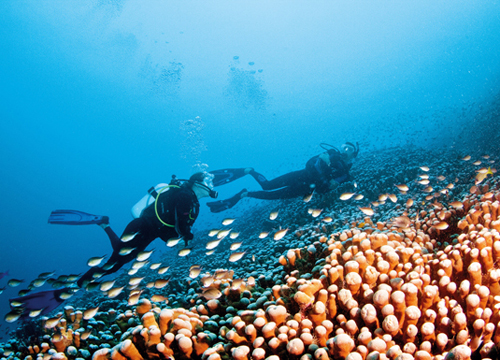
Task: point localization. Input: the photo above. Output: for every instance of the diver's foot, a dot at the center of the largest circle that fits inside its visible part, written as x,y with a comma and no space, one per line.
104,222
221,205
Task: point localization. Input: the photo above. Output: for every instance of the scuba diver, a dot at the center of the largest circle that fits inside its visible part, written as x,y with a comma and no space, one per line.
168,211
323,172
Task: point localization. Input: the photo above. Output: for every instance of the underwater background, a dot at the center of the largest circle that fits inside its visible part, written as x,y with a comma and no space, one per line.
100,100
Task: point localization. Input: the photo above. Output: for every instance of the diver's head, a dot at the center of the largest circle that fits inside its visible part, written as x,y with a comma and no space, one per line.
349,151
201,183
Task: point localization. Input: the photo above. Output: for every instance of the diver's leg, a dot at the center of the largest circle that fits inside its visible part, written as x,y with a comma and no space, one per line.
289,179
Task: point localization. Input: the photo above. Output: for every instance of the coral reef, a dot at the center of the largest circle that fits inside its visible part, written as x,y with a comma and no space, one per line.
414,281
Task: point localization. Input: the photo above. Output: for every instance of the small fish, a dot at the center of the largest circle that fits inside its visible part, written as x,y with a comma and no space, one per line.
346,196
144,255
135,281
444,191
441,226
367,210
263,234
107,266
450,186
46,274
359,197
280,234
477,163
235,245
172,242
382,197
401,222
3,289
114,292
90,313
184,252
91,286
484,170
316,212
227,221
409,203
236,284
128,237
429,197
14,282
485,157
161,283
424,168
393,198
210,252
98,274
12,316
159,298
65,295
212,244
163,270
236,256
154,266
4,274
95,261
39,282
213,232
16,303
20,292
132,271
35,313
125,251
85,335
210,294
206,281
233,235
133,299
457,204
466,158
308,197
222,234
428,189
194,272
402,187
253,257
423,182
424,176
139,264
327,219
441,178
52,322
106,285
273,215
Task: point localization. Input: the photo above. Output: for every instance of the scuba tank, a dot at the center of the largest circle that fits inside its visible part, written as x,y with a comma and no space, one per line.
152,195
148,199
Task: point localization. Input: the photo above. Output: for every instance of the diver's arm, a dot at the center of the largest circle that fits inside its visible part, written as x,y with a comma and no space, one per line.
183,220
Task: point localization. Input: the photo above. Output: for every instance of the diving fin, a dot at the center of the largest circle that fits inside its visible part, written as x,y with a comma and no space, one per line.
221,205
75,217
225,176
43,301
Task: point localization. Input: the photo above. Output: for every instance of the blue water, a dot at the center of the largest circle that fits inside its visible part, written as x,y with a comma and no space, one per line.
102,99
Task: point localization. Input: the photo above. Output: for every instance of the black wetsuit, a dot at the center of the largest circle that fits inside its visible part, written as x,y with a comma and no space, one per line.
177,207
316,176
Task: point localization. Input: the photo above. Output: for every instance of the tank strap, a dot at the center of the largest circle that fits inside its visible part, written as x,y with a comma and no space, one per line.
153,192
